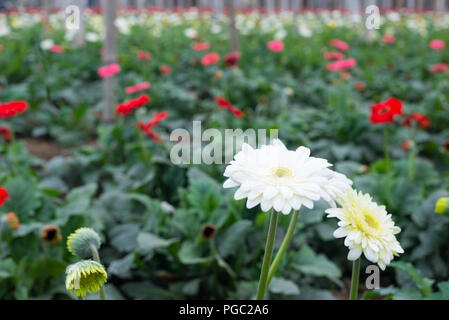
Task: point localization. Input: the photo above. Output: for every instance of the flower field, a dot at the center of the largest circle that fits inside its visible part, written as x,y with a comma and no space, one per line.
358,176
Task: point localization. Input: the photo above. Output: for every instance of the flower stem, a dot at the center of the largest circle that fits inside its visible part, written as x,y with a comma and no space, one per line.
387,158
355,280
284,246
267,256
96,257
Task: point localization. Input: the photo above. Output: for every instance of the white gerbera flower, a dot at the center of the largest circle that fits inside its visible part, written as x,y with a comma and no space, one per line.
278,178
190,33
47,44
367,228
92,37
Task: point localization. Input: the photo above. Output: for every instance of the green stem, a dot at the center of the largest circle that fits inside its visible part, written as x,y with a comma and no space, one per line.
267,256
284,246
387,158
96,257
411,157
145,153
355,280
411,165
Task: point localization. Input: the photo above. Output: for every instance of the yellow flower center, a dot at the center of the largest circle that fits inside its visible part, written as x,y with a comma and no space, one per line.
281,172
371,222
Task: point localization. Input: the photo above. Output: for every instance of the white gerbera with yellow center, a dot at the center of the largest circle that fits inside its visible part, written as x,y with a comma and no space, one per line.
282,179
367,228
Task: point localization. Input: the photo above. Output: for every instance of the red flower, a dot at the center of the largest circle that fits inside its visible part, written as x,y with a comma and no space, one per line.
147,127
225,104
334,55
128,106
439,67
422,120
388,38
144,55
13,108
275,45
4,195
341,64
232,59
57,49
339,44
385,111
201,46
437,44
5,132
210,59
109,70
406,145
138,87
1,47
165,69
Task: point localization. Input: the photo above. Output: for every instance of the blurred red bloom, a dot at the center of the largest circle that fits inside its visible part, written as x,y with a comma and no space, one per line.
144,55
138,87
225,104
339,44
210,59
388,38
385,111
422,120
439,67
232,59
5,132
109,70
406,145
57,49
437,44
334,55
128,106
4,195
147,127
341,64
13,108
275,45
201,46
1,47
165,69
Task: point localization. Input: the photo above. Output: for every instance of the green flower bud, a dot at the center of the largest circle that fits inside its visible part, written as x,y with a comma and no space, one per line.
442,206
85,276
79,242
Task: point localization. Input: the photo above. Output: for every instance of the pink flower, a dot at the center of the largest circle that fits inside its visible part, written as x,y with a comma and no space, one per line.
439,67
109,70
437,44
201,46
138,87
57,49
232,59
341,64
388,38
334,55
275,45
210,59
339,44
165,69
143,55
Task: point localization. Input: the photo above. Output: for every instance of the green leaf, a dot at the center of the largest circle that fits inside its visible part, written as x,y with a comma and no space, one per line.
123,237
23,198
283,286
233,237
147,242
424,284
308,262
